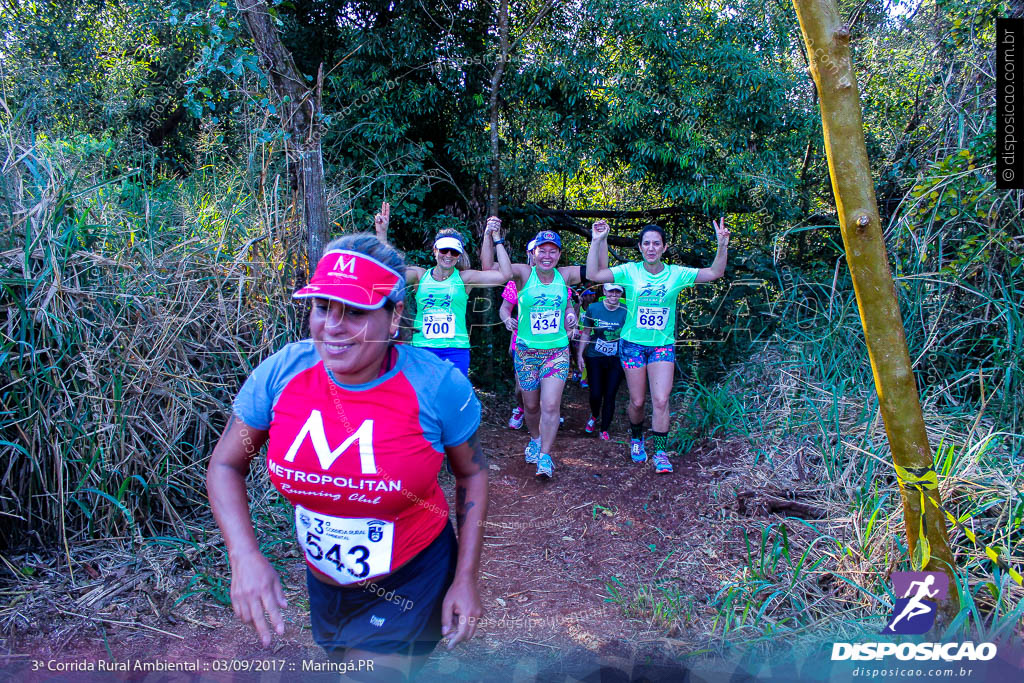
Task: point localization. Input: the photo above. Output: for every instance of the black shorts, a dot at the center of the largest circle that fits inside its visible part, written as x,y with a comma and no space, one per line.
392,614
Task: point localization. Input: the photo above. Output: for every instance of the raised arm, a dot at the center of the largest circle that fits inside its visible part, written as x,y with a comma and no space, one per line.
492,242
381,222
520,274
487,252
255,586
717,268
380,225
469,464
597,256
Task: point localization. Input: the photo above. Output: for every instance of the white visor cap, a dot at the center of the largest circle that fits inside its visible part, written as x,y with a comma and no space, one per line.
448,243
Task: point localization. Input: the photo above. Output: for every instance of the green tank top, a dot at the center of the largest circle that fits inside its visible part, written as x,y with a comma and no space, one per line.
441,313
542,313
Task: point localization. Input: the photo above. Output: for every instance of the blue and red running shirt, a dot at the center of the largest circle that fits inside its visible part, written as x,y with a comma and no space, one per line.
371,450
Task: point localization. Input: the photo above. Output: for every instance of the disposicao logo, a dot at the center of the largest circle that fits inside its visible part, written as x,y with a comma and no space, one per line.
918,597
919,594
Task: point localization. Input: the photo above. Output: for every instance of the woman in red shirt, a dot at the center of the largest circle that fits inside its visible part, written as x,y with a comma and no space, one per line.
357,429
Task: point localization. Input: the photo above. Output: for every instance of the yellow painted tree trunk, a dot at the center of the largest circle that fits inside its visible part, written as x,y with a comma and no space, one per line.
828,51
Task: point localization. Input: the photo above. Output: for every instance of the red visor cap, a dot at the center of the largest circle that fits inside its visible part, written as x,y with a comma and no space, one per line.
354,279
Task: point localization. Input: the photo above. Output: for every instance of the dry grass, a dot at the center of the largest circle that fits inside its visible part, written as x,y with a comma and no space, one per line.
819,504
129,318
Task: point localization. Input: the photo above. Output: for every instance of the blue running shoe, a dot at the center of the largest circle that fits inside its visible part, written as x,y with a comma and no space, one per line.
532,451
661,463
545,466
636,450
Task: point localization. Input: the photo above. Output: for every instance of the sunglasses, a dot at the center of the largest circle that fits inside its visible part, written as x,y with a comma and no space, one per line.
449,252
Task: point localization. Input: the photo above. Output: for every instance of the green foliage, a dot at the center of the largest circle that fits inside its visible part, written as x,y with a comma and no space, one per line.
147,225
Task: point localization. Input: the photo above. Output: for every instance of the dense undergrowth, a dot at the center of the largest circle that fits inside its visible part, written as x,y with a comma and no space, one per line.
806,408
138,293
136,305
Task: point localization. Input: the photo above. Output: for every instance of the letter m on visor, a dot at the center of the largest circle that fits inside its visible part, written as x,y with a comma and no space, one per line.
314,429
345,264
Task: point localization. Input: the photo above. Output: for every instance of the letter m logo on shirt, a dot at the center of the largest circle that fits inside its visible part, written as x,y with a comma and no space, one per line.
314,429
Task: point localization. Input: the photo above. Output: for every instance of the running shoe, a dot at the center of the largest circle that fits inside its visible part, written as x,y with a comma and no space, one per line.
532,451
605,437
591,423
636,450
661,463
584,384
516,421
545,466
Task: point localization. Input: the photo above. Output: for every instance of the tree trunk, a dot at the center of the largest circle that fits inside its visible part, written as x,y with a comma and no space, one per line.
828,48
298,106
499,70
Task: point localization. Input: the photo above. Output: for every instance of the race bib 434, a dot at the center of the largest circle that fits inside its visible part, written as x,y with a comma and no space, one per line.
545,321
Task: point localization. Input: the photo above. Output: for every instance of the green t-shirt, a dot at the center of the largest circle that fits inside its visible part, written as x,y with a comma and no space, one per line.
651,301
542,313
441,313
604,326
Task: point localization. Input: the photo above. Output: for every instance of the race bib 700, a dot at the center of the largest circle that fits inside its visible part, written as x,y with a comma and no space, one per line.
439,325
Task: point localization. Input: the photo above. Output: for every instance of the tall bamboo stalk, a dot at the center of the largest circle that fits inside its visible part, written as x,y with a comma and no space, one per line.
828,51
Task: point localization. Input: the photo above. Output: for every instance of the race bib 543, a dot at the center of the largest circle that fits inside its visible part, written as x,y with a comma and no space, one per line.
346,549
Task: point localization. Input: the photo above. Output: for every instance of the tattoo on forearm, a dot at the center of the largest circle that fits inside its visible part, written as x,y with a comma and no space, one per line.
479,459
461,506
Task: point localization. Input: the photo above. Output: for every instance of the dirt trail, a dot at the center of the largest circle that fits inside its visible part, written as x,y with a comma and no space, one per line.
551,550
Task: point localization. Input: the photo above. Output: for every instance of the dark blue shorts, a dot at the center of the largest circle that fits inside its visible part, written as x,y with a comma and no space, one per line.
392,614
457,357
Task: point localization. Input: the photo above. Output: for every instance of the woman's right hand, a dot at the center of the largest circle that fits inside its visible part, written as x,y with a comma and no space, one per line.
580,364
381,221
255,591
599,230
512,324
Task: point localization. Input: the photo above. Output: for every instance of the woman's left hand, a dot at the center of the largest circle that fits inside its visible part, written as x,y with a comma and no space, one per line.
460,611
721,232
570,320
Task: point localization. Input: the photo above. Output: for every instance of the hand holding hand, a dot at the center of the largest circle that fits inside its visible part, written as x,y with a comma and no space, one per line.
721,232
599,230
381,221
493,228
255,591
